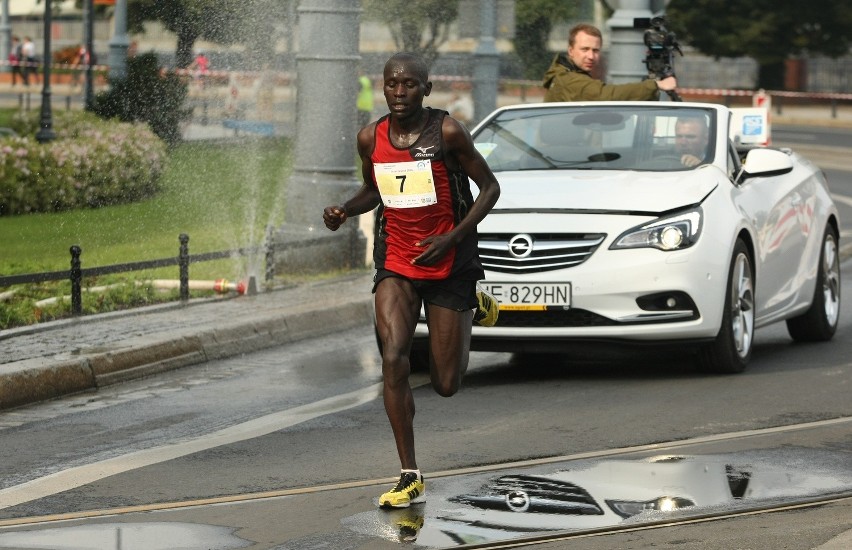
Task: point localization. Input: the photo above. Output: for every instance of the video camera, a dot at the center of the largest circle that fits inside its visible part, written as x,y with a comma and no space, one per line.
661,44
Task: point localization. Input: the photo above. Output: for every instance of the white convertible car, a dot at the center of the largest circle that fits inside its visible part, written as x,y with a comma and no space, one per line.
625,222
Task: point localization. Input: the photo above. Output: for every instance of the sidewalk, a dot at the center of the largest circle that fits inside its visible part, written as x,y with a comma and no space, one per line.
62,357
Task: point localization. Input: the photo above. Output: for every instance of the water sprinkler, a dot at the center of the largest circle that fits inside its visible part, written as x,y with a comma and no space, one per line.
252,286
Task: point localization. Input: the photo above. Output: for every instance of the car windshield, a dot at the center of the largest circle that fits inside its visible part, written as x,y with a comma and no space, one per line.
598,138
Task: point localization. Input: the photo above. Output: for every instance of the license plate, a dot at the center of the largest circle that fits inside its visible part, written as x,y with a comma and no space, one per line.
530,296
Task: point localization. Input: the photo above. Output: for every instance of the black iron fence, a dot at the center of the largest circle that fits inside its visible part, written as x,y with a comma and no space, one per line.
183,260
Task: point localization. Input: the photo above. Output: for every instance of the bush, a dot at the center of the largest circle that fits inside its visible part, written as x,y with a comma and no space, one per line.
149,95
91,163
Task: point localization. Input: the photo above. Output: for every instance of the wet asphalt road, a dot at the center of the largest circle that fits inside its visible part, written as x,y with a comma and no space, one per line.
195,434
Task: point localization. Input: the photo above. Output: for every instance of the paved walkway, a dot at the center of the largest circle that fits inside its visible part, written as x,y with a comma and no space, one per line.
61,357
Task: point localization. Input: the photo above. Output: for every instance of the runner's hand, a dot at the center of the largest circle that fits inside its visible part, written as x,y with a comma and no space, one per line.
333,217
437,247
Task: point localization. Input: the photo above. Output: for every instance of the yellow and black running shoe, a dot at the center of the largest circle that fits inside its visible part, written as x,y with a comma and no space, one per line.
488,310
410,489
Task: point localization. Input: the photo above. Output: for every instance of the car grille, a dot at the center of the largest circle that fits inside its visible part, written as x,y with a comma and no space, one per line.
525,493
528,253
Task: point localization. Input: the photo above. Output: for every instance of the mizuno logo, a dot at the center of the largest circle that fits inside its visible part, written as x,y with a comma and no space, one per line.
424,152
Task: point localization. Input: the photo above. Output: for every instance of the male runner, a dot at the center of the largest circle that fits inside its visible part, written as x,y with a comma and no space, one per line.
415,165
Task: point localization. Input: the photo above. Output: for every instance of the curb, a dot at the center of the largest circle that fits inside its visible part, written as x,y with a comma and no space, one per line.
40,379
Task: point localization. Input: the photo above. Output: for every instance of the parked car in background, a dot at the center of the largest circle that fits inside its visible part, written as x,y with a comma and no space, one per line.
606,232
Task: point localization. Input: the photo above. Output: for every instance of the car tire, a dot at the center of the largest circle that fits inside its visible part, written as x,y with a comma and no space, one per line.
819,322
731,350
418,358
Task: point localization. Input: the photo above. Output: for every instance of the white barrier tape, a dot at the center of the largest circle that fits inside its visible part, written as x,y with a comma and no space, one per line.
36,65
467,79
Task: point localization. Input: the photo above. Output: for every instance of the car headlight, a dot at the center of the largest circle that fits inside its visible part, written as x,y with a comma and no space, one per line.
670,233
628,508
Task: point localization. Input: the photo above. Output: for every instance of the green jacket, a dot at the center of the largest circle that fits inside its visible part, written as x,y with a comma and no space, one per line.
566,82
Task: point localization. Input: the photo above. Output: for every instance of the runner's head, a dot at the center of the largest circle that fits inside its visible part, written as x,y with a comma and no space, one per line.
406,83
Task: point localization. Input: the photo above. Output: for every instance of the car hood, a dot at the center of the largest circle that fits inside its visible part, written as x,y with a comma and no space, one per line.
604,190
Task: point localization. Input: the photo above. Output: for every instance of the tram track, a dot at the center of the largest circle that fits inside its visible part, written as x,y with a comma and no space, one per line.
362,489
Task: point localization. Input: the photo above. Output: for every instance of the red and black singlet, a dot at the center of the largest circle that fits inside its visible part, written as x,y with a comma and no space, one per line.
421,196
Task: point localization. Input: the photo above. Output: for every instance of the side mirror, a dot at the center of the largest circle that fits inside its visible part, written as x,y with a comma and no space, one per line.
764,163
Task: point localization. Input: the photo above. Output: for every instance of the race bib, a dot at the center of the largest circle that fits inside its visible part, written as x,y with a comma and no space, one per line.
406,184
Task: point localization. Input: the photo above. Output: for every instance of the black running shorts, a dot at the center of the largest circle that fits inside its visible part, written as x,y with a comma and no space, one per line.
452,293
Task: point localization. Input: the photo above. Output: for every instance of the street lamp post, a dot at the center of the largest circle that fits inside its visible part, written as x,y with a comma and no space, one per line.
45,131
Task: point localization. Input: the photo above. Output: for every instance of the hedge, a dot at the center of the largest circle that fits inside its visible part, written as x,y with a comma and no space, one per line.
91,163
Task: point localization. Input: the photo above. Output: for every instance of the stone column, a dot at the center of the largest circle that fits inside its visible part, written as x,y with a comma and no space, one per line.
119,43
5,34
626,48
324,149
486,70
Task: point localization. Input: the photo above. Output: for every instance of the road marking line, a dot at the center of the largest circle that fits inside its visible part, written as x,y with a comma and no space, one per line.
233,499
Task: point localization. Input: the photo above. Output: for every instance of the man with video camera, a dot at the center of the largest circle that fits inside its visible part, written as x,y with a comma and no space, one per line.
569,78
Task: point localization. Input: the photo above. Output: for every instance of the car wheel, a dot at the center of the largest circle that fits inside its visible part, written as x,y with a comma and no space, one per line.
731,350
418,358
819,322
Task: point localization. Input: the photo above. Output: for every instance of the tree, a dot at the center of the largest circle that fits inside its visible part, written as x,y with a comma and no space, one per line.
419,26
147,95
769,31
256,24
534,20
219,21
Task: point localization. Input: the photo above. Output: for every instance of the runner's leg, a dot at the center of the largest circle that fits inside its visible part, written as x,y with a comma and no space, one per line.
397,310
449,340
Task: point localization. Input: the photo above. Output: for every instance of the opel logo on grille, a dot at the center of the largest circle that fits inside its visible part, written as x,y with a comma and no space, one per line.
521,246
517,501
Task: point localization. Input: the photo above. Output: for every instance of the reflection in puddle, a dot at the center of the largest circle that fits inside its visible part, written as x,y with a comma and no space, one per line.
595,494
126,536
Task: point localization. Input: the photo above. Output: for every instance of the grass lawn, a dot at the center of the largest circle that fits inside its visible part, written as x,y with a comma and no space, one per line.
222,195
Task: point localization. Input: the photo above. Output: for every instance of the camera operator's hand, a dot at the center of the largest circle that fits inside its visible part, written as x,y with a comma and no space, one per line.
667,84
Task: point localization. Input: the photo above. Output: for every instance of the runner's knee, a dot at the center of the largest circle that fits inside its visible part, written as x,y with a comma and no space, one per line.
446,385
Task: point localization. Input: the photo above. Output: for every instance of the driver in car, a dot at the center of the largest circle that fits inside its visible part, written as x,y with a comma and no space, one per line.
691,138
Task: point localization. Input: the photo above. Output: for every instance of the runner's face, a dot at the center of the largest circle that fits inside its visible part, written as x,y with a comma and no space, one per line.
586,51
404,88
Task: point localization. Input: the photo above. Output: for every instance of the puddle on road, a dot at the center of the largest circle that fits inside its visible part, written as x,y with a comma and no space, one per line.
499,505
604,493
